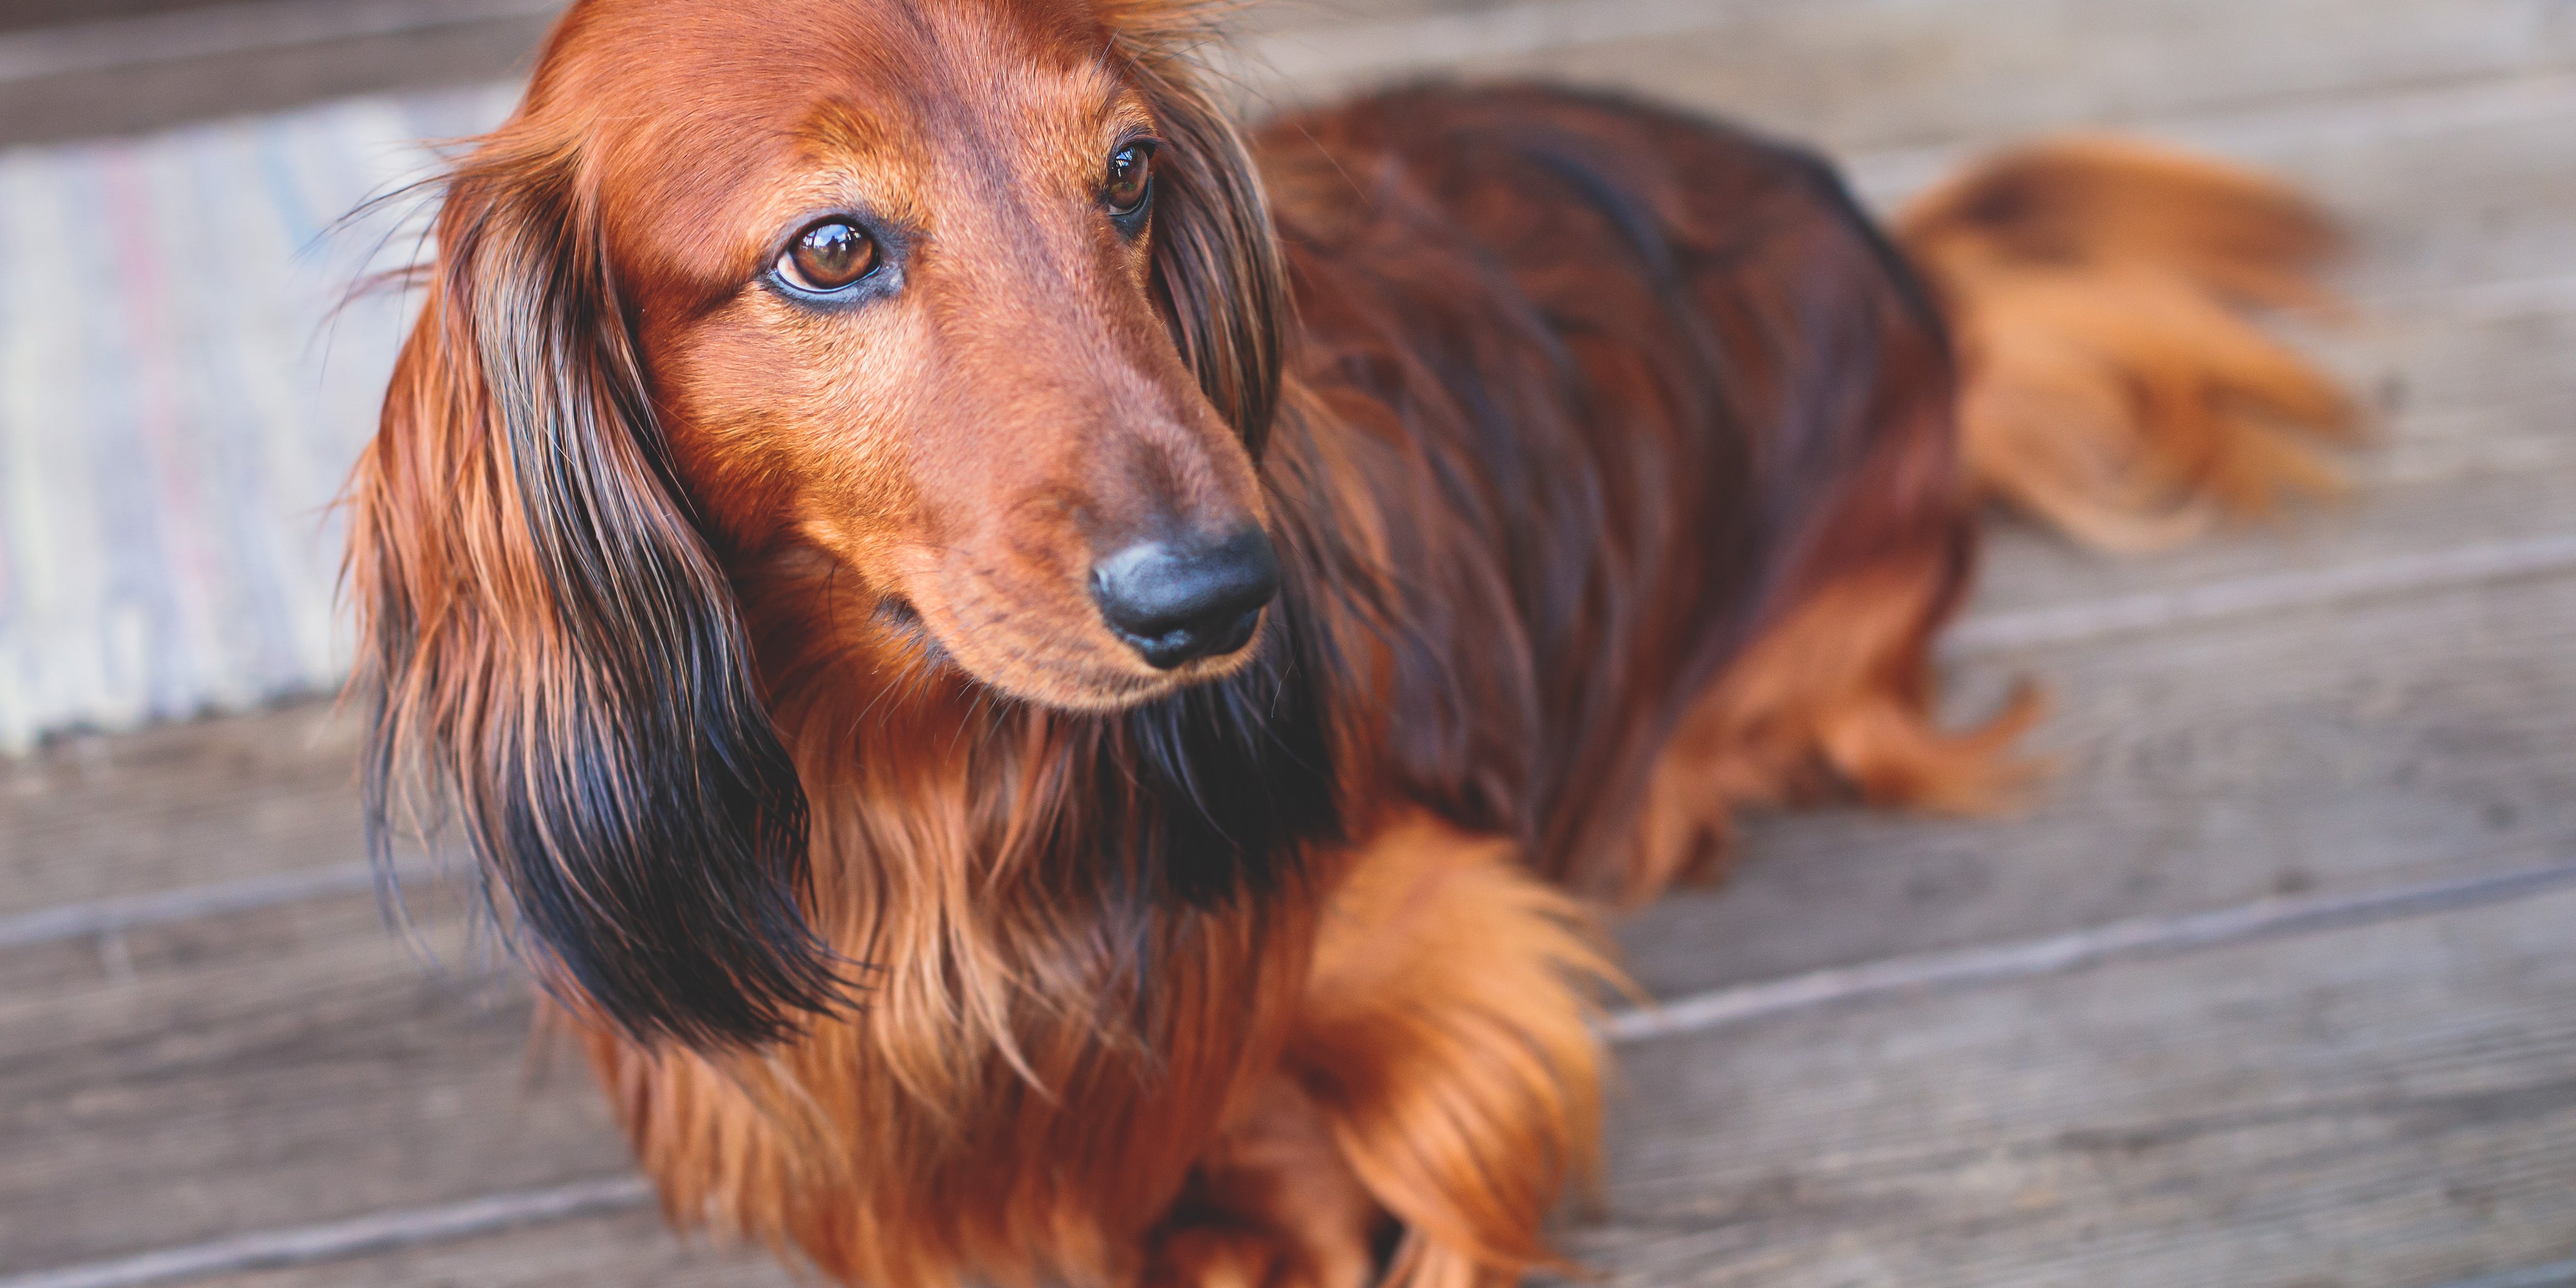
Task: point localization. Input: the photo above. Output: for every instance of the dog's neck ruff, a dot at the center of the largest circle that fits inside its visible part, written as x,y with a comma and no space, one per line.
1068,846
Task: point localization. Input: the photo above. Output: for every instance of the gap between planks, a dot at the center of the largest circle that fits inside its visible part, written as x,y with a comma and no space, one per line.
1885,176
2560,1274
163,907
339,1240
2142,939
247,27
2236,597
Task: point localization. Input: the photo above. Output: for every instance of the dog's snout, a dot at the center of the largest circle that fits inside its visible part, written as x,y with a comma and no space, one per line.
1177,601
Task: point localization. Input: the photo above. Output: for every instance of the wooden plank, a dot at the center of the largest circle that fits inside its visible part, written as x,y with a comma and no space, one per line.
124,35
633,1250
92,817
268,1069
375,1233
2383,1106
2294,590
2386,162
2029,569
1880,73
230,81
413,1237
20,15
294,1065
403,1244
2333,748
1843,71
2557,1274
2085,948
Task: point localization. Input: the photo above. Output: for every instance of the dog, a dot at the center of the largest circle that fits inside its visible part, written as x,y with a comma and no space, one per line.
1058,691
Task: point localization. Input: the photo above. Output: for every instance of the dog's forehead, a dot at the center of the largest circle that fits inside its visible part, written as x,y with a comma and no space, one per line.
701,110
750,69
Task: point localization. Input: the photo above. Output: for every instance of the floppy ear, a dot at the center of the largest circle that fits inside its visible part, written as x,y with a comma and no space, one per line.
550,647
1217,267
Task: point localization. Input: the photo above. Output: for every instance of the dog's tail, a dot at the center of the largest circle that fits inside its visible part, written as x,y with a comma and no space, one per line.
2112,380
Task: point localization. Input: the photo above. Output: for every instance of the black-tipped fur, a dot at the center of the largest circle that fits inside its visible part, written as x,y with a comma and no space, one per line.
611,760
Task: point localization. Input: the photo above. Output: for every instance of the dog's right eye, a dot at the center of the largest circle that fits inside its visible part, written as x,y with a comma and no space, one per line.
828,256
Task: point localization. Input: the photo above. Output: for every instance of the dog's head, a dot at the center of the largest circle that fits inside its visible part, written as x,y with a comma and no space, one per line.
972,304
976,298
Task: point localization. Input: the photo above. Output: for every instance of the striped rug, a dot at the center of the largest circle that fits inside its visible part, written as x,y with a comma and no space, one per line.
181,395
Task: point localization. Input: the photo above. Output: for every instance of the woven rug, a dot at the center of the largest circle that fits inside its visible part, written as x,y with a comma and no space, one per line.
184,383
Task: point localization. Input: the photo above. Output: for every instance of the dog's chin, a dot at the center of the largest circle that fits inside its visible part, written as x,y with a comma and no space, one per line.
1088,677
1083,685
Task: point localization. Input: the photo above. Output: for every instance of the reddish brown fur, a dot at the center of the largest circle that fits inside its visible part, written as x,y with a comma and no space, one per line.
1613,461
2097,290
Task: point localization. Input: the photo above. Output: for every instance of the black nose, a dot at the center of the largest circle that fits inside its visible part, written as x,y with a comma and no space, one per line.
1178,601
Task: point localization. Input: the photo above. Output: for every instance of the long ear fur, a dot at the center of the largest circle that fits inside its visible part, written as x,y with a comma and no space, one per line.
1217,268
551,649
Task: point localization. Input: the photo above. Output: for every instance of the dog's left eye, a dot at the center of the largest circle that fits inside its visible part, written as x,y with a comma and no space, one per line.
828,256
1131,179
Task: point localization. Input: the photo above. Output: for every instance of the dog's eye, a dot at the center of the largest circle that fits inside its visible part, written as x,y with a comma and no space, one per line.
828,256
1131,179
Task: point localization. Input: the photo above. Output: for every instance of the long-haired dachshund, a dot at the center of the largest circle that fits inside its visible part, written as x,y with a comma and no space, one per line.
1054,687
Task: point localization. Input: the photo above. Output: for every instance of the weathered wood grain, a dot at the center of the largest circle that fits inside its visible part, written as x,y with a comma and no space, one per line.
2027,568
2451,188
294,1065
1844,71
634,1250
159,93
2388,1106
266,1069
1881,73
2151,938
2271,1118
22,14
351,1239
2391,1106
2374,742
2556,1274
92,817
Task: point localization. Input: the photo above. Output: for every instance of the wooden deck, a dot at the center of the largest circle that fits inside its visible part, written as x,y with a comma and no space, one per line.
2276,988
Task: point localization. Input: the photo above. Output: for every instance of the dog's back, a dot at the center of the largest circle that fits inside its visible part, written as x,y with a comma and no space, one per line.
1659,435
1625,392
